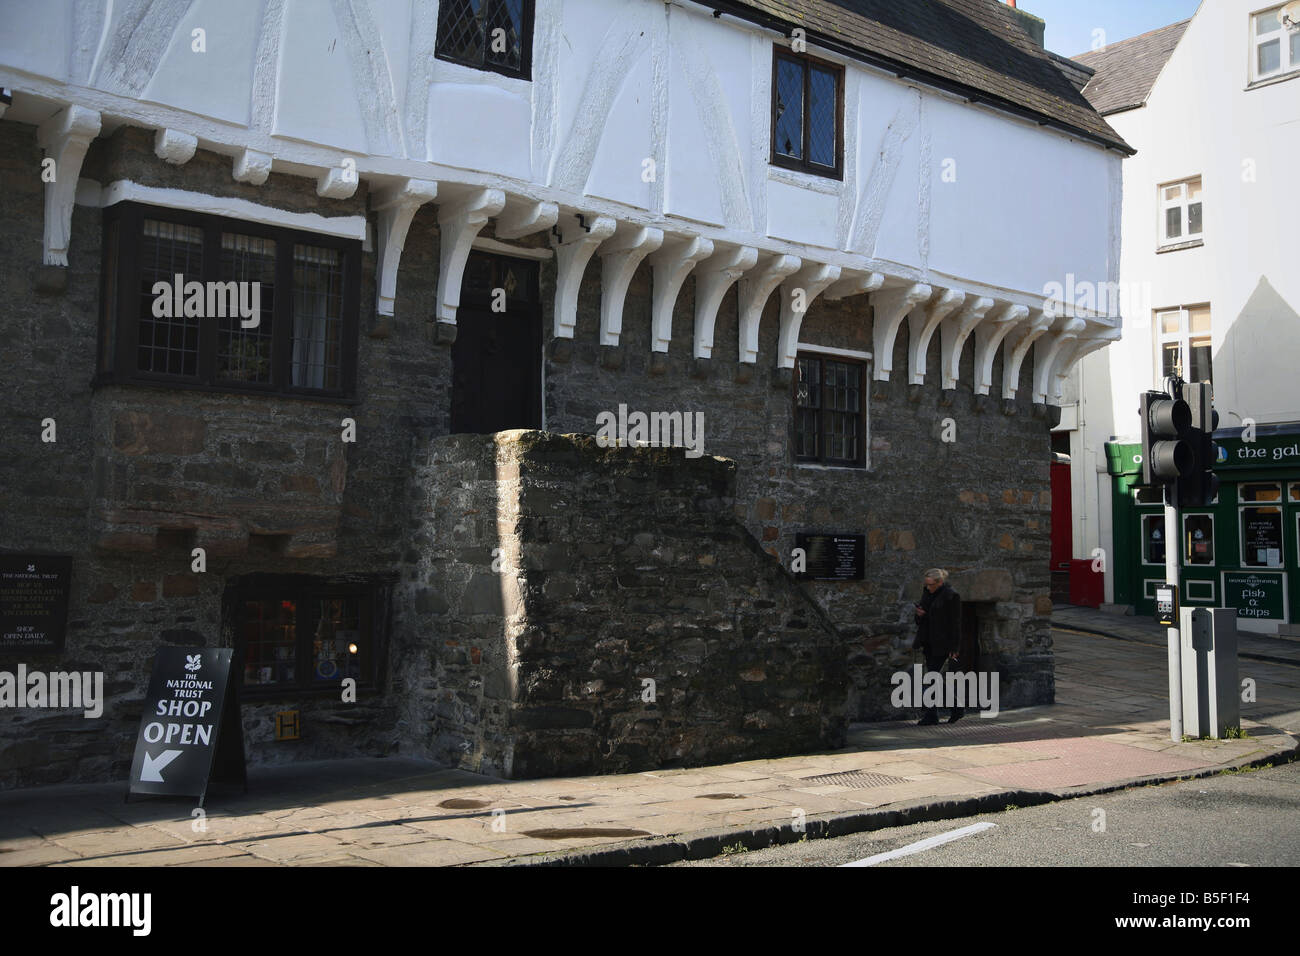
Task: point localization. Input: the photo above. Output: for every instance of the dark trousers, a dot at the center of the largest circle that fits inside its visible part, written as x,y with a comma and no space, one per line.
934,662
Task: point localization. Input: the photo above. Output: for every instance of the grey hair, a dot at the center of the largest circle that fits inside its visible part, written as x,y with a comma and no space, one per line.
937,574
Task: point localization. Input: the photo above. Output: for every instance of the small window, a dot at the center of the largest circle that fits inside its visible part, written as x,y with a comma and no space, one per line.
1275,45
1153,539
807,114
1294,490
1180,212
1259,491
1261,537
203,301
1184,341
297,634
1198,539
495,35
830,411
1149,495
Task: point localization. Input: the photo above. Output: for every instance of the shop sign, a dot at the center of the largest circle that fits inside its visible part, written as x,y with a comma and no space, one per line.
190,724
1255,595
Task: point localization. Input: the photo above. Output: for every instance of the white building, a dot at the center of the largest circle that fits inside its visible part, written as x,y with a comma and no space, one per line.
1211,286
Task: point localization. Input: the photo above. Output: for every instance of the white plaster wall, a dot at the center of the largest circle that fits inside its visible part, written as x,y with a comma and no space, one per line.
1202,120
615,82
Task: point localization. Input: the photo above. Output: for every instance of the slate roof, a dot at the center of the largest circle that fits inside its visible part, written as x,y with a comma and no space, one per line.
972,47
1124,72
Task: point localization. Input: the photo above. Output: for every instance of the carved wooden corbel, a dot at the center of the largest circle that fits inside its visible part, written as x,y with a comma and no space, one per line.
922,324
713,278
755,288
619,257
396,206
989,336
65,137
672,264
891,306
575,238
797,296
953,333
460,221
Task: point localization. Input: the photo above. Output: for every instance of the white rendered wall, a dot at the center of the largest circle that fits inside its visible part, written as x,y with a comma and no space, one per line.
1245,144
615,83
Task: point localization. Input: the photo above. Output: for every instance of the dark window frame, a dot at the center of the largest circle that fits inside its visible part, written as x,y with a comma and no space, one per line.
806,165
375,600
120,316
525,71
822,458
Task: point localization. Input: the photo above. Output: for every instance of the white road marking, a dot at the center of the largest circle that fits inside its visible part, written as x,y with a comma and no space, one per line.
921,846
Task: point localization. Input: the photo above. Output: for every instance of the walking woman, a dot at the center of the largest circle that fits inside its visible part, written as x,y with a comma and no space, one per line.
938,633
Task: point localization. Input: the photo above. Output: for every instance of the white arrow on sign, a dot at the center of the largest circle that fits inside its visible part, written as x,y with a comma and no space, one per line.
153,765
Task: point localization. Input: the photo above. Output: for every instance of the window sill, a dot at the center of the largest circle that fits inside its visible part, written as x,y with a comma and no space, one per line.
1178,246
828,183
816,466
104,381
1270,80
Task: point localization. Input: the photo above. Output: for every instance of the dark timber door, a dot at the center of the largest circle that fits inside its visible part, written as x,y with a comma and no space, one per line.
497,357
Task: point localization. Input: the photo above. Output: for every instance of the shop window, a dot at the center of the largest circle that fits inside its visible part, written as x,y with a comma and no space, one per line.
830,411
1180,212
495,35
295,635
1153,539
1261,537
1183,341
1275,44
807,114
198,301
1148,495
1260,491
1198,539
1293,490
1200,591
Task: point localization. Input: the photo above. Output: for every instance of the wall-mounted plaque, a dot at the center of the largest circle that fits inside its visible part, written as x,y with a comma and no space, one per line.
34,602
833,557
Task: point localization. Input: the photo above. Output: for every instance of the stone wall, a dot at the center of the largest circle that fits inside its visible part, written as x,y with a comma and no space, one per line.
980,502
621,574
140,475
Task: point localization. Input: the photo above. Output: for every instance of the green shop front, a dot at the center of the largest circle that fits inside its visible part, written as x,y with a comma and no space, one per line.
1243,551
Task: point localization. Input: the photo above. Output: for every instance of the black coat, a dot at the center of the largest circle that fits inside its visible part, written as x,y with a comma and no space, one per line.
938,631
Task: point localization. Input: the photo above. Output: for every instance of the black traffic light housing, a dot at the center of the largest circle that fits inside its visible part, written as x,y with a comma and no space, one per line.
1166,454
1198,485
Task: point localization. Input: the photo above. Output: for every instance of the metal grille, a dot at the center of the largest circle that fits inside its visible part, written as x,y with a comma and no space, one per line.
244,355
169,346
822,109
857,779
808,395
843,403
789,108
317,317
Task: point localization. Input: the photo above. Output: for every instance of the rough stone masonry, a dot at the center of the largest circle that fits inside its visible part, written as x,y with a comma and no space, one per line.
624,564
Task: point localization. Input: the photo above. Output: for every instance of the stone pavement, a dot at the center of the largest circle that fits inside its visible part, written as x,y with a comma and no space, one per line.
1108,729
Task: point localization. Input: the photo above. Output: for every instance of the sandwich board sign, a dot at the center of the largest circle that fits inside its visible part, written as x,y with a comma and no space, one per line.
190,725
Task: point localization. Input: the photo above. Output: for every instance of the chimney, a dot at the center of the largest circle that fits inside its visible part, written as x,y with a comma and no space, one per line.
1028,22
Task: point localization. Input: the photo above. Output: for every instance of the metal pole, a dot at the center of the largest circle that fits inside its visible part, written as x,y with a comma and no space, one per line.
1172,547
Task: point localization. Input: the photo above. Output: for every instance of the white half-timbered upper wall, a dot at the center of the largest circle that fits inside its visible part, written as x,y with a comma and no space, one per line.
615,82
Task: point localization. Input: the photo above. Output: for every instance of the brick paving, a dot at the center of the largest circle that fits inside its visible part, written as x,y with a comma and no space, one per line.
1108,726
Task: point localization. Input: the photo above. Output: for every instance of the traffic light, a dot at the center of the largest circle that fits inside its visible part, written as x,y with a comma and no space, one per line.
1166,454
1198,485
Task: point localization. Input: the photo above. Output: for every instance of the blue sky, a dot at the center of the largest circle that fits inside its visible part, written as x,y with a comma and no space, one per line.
1070,23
